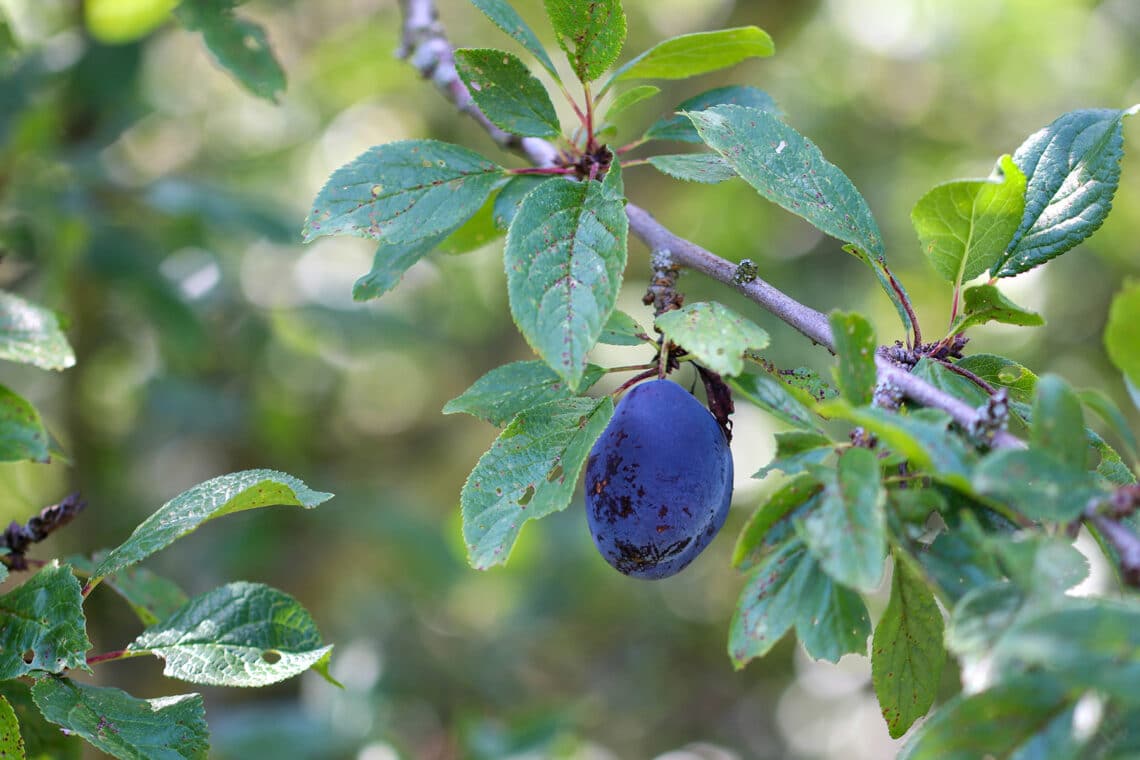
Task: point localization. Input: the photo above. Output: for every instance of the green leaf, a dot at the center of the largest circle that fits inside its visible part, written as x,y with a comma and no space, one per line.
507,93
906,652
629,98
981,618
798,451
475,233
241,634
1073,169
31,334
238,45
506,18
403,192
757,539
22,432
223,495
678,127
42,740
1043,566
847,532
1036,484
591,33
1105,408
151,596
855,348
1122,334
565,257
389,265
964,226
948,381
985,303
121,725
1004,373
689,55
788,169
11,743
892,287
716,335
777,399
530,472
42,626
807,381
707,168
502,393
508,200
959,559
623,330
1058,424
769,603
831,620
1005,721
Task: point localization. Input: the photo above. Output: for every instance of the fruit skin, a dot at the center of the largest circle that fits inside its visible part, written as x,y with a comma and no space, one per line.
658,481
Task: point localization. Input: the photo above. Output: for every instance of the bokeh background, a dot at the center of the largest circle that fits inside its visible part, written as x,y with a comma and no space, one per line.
157,205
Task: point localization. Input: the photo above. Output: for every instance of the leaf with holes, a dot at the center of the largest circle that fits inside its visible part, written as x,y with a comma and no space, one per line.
238,45
964,226
22,432
241,634
502,15
506,92
121,725
42,740
714,334
591,33
502,393
855,348
679,128
707,168
1073,169
689,55
530,472
906,653
31,334
403,192
985,303
42,626
236,492
565,255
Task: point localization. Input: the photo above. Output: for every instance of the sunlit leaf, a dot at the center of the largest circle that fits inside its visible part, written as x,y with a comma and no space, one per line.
507,18
688,55
11,743
508,200
985,303
855,348
42,626
715,335
1122,334
31,334
505,391
756,541
629,98
678,128
239,45
777,399
22,432
506,92
707,168
592,33
623,330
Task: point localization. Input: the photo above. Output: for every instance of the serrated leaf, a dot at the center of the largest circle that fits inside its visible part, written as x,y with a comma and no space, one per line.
1073,169
508,200
768,605
855,347
689,55
629,98
42,740
22,432
847,532
530,472
985,303
1122,334
1036,484
832,620
906,653
775,398
1002,372
788,169
715,335
389,265
807,380
1111,466
151,596
1058,426
502,15
502,393
755,540
798,451
623,330
1105,408
1005,721
964,226
31,334
403,192
591,33
236,492
116,723
11,743
565,256
241,634
678,128
475,233
707,168
42,627
506,92
237,44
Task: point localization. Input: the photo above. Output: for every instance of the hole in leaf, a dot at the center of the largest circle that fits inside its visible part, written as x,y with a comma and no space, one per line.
271,657
555,474
527,496
28,656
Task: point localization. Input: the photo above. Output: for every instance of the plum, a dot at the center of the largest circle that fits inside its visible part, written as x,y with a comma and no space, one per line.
658,481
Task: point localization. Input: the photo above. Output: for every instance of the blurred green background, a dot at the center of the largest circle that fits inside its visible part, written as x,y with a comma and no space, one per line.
157,205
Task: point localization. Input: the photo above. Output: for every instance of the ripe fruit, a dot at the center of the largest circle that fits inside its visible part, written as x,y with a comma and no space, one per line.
658,481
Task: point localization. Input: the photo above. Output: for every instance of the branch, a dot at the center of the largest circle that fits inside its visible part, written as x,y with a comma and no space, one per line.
17,538
426,47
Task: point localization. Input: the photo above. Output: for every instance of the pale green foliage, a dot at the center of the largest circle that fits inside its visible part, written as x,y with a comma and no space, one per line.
22,432
31,334
507,92
713,333
239,45
42,626
512,388
708,168
592,33
691,54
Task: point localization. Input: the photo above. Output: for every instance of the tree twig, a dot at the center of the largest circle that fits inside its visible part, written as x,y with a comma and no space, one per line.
17,538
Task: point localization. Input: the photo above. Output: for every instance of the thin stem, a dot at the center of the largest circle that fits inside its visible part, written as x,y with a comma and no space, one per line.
633,381
591,144
573,104
906,304
632,367
954,305
631,146
117,654
634,162
542,170
969,376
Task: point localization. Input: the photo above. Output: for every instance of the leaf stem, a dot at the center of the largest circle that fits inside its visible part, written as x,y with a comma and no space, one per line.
542,170
968,375
633,381
631,146
632,367
116,654
906,304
